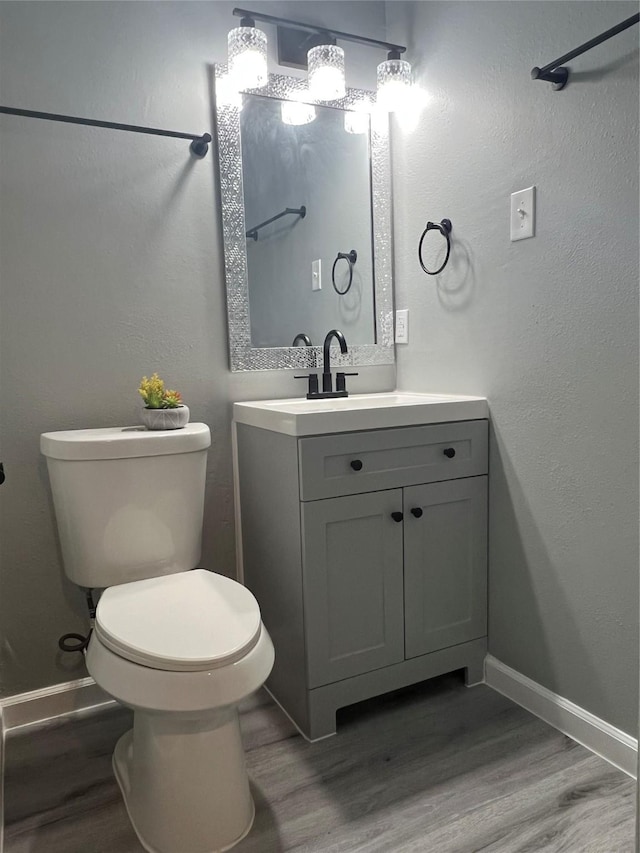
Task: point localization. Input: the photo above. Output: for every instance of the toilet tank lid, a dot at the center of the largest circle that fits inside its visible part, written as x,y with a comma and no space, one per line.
123,442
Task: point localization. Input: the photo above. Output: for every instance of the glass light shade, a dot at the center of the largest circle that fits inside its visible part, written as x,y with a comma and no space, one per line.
394,84
326,72
248,57
227,93
356,121
295,112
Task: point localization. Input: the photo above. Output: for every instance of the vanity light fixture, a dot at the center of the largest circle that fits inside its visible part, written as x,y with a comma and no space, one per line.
326,72
297,112
228,93
356,121
394,82
247,55
303,45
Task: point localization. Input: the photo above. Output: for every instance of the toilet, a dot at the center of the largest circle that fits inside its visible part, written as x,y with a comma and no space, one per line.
180,646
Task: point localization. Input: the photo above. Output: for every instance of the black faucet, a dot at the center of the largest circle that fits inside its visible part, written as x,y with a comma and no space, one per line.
312,377
306,340
327,387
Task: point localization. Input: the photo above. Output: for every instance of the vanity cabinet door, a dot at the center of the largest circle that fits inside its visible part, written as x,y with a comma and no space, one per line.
445,576
352,585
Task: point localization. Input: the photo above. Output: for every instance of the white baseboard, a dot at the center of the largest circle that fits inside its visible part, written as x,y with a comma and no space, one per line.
610,743
60,700
41,706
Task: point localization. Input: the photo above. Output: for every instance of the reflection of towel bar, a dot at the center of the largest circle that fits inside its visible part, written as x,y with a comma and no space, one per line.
299,211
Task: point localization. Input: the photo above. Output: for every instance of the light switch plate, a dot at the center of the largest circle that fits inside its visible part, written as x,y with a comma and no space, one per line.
402,326
523,214
316,275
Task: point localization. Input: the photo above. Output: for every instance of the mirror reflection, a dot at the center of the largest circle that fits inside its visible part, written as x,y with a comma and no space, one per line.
306,191
306,173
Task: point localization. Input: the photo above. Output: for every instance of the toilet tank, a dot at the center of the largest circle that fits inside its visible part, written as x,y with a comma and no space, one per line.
129,501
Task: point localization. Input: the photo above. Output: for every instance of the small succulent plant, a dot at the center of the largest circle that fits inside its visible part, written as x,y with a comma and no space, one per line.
156,396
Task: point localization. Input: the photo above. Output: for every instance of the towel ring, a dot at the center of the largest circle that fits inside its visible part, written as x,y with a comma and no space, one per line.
351,258
444,228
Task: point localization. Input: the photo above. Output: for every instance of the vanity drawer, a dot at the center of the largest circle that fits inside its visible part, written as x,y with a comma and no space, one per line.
350,463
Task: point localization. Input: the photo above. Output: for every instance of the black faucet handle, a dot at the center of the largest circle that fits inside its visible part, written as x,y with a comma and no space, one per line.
341,383
313,383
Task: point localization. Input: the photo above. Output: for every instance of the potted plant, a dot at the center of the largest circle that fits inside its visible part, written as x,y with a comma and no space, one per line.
164,408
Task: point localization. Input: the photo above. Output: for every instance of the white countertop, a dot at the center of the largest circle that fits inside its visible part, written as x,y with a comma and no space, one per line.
300,416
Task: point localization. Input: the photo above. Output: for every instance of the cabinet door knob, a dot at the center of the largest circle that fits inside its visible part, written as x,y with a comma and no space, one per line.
417,512
397,516
449,452
356,464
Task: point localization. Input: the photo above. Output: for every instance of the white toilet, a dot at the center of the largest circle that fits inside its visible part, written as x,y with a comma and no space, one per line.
180,646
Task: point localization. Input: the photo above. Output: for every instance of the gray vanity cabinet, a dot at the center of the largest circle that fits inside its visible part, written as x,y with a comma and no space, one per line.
352,585
377,591
445,564
367,554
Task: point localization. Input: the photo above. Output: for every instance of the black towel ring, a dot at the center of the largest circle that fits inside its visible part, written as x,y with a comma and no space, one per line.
351,258
444,228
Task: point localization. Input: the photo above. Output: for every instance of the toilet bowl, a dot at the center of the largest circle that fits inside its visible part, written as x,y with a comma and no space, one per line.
180,646
182,651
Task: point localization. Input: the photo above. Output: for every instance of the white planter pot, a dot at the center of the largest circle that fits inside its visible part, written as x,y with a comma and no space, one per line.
166,418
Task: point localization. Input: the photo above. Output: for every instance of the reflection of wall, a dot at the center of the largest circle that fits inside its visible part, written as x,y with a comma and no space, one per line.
547,328
320,166
111,266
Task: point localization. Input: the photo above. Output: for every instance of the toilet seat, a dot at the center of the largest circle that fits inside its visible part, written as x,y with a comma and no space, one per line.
189,694
186,622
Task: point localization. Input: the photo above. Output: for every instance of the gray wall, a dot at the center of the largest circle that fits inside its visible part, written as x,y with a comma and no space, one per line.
111,267
546,328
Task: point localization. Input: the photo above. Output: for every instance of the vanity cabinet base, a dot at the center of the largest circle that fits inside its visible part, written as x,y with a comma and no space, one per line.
316,718
358,601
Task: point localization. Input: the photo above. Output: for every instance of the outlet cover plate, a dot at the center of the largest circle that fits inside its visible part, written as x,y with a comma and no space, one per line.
402,326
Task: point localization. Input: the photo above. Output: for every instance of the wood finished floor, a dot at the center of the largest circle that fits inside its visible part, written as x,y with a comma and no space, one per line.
435,769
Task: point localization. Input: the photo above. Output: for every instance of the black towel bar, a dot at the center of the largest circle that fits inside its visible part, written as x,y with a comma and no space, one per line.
552,73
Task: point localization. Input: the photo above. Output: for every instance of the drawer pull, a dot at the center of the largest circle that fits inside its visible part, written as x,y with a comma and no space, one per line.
417,512
449,452
397,516
356,464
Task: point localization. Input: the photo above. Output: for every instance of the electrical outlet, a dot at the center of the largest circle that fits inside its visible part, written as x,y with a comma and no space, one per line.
316,275
402,326
523,214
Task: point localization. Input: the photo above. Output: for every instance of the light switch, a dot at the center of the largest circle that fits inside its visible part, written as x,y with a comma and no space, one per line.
316,275
523,214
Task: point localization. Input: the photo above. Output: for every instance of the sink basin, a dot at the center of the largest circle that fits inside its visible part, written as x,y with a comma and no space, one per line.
358,411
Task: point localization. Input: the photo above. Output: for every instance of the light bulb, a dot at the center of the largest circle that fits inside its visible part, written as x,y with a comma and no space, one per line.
248,57
356,121
394,84
326,72
227,93
295,112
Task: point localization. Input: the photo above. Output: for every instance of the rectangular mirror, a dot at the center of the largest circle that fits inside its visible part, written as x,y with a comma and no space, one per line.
305,190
